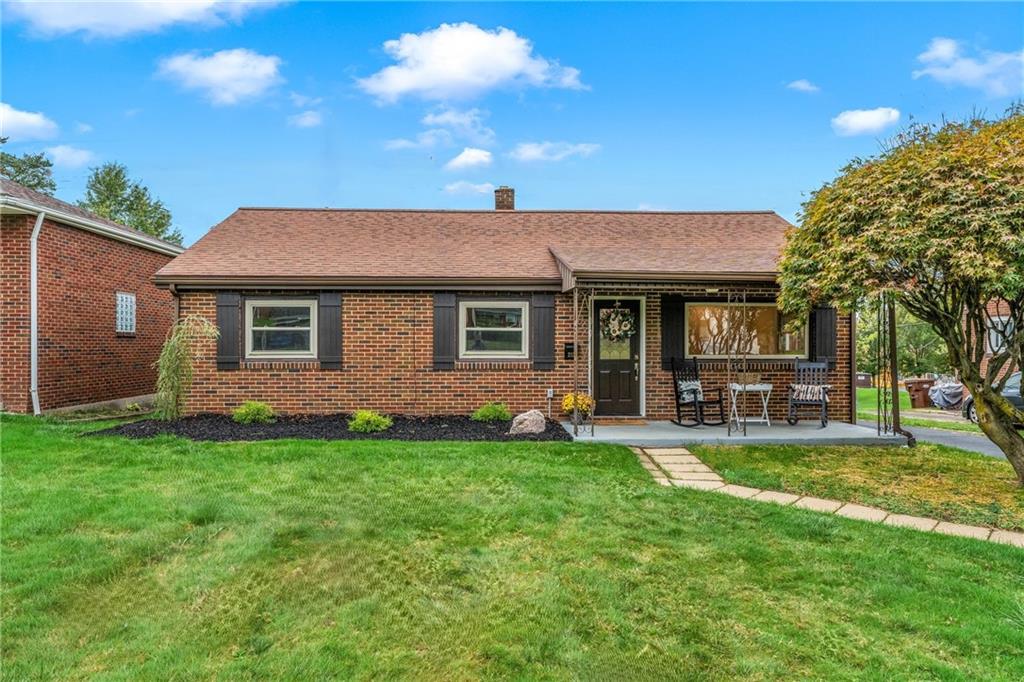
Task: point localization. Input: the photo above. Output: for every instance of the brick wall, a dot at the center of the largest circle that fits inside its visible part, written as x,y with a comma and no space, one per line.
388,366
81,358
14,313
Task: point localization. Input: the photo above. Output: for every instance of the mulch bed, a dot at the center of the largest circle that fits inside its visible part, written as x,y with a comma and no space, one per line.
221,428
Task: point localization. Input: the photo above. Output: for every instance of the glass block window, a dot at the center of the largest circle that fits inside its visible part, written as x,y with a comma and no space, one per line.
125,313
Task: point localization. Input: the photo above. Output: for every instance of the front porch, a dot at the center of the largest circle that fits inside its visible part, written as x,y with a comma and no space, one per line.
666,434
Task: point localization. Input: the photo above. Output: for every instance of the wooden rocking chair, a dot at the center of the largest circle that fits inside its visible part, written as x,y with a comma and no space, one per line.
810,388
690,394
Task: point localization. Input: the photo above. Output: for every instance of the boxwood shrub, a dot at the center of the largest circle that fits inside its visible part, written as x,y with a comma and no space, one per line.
368,421
253,412
492,412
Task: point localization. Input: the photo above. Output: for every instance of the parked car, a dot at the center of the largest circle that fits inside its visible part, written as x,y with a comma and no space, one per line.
1011,391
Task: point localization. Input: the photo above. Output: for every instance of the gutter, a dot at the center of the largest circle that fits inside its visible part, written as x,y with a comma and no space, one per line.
145,241
34,312
355,283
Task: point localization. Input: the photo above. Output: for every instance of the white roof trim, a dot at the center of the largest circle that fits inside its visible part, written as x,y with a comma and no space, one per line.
120,234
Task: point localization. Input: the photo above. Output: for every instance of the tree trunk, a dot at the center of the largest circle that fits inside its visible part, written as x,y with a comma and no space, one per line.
995,417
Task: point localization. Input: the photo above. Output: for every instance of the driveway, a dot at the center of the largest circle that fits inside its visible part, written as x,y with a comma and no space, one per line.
958,439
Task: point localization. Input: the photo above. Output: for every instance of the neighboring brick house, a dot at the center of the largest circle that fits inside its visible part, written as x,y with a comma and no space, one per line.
99,318
999,312
428,312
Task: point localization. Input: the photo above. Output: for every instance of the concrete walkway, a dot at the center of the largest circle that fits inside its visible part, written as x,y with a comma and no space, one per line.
681,468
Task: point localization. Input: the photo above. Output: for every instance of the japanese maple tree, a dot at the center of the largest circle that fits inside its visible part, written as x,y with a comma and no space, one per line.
937,220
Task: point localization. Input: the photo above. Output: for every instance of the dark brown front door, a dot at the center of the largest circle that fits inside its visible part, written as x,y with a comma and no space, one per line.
617,363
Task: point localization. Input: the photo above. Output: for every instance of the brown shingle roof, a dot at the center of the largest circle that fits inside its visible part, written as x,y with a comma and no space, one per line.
391,247
21,194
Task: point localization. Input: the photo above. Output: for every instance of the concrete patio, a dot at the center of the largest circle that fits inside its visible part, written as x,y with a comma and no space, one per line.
667,434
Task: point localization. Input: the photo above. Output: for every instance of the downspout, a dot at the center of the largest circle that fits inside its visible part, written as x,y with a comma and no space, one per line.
177,301
34,313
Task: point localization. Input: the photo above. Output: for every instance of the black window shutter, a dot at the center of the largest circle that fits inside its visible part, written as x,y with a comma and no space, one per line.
229,320
329,330
823,335
445,331
671,329
542,329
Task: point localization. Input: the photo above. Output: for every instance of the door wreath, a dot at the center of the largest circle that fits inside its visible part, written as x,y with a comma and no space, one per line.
617,324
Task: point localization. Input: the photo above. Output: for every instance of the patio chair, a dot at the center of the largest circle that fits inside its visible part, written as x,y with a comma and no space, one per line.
810,388
691,395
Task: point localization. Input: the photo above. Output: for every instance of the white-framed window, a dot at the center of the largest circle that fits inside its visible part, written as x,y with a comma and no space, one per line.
124,313
757,328
494,329
280,328
999,330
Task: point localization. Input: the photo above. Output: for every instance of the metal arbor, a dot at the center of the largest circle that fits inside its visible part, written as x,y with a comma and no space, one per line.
887,406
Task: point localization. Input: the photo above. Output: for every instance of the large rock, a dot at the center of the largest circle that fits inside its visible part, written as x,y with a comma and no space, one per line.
528,422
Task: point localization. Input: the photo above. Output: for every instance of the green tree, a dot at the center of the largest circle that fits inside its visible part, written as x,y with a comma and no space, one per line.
34,171
937,219
919,349
110,193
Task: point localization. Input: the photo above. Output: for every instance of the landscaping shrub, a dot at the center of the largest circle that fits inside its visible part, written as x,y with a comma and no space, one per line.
492,412
175,364
368,421
253,412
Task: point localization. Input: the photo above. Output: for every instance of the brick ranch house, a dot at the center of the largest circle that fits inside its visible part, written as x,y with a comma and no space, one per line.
81,321
436,311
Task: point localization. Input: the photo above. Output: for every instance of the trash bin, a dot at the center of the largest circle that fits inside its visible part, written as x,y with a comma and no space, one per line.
918,390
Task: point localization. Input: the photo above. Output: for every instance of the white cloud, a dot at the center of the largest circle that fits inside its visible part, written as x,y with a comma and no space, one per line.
306,119
457,61
551,151
25,125
644,206
225,77
82,127
996,73
466,125
425,140
469,158
803,85
118,19
447,126
864,121
940,50
302,101
70,157
466,187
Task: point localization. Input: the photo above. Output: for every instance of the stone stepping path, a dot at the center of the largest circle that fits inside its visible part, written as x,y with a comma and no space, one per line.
681,468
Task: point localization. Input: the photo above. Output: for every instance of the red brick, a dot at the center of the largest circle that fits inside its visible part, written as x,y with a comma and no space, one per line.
388,366
81,358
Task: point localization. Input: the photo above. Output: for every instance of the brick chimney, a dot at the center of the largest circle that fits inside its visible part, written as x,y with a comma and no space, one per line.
504,199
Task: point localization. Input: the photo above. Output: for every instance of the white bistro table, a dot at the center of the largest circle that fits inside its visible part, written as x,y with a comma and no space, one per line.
763,390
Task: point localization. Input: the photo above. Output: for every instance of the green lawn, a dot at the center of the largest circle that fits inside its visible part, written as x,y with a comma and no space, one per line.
867,409
169,559
929,480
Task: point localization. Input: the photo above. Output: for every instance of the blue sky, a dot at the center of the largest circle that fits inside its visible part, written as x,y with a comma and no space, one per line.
668,106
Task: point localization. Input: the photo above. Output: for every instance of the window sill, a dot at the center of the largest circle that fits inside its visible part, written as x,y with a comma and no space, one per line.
124,335
280,363
483,365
